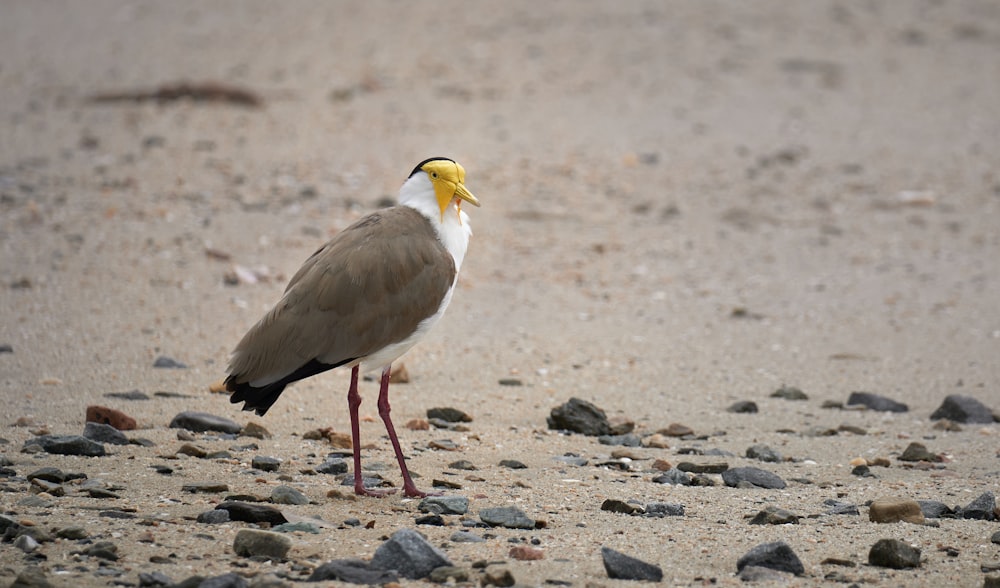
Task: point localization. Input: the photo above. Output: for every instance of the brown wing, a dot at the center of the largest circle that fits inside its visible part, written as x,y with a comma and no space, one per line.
368,287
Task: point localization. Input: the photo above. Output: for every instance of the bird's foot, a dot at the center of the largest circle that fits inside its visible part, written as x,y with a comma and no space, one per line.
412,491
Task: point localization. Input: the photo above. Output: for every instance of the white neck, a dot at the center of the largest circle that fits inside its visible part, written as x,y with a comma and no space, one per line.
418,193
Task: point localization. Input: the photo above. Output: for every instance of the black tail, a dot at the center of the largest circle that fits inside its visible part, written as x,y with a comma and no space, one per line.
260,399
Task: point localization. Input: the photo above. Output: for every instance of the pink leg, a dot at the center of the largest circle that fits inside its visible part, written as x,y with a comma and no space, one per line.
409,488
353,402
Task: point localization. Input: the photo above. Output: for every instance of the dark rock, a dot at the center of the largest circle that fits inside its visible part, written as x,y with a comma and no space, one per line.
773,515
103,550
31,578
433,520
73,533
756,476
446,505
963,409
462,464
253,542
893,553
509,517
623,567
110,416
167,362
265,463
153,579
789,393
918,452
214,517
67,445
763,453
579,416
622,507
446,574
627,440
54,475
104,434
205,487
995,538
409,554
703,468
863,471
200,422
776,556
465,537
333,465
676,430
450,415
510,382
982,508
230,580
354,571
674,476
130,395
288,495
513,464
252,513
758,574
876,402
6,348
743,407
664,509
841,508
933,509
501,578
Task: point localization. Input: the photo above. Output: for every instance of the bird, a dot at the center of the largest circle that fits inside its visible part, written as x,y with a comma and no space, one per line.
361,301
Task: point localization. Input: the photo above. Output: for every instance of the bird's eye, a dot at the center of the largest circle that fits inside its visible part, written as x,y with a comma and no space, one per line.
434,175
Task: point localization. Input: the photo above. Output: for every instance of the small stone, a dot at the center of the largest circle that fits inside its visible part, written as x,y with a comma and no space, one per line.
288,495
168,363
130,395
622,507
200,422
446,574
447,505
451,415
102,550
230,580
789,393
509,517
703,468
398,374
205,487
627,440
573,460
252,513
657,441
72,533
934,509
214,517
354,571
662,465
255,430
963,409
893,510
433,520
31,578
743,407
579,416
525,553
253,542
893,553
513,464
333,465
863,471
853,429
67,445
776,556
763,453
918,452
995,538
109,416
299,527
265,463
676,430
773,515
947,425
624,567
876,402
104,434
675,477
467,537
841,508
409,554
154,579
755,476
192,450
510,382
664,509
983,508
26,543
501,578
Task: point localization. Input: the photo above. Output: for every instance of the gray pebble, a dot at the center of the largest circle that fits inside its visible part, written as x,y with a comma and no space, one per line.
252,513
664,509
789,393
995,538
214,517
31,577
579,416
934,509
876,402
26,543
755,476
763,453
627,440
982,508
623,567
409,554
265,464
67,445
200,422
333,465
841,508
104,434
354,571
893,553
574,460
773,515
230,580
302,526
674,476
776,556
462,464
467,537
205,487
449,415
163,361
509,517
743,407
918,452
513,464
253,542
963,409
152,579
448,505
288,495
130,395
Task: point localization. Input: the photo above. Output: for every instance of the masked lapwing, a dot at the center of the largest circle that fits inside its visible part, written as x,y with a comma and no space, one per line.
362,300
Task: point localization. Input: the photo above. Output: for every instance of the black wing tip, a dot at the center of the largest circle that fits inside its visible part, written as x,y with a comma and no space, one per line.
425,162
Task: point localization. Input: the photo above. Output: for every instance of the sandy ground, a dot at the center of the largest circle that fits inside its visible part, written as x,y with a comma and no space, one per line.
684,205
